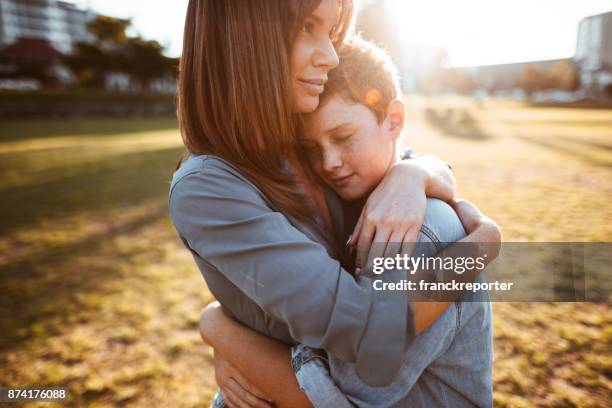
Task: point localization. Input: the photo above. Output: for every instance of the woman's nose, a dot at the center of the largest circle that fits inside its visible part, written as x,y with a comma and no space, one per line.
326,55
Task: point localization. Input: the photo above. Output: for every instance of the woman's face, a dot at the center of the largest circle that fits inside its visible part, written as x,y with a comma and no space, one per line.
313,55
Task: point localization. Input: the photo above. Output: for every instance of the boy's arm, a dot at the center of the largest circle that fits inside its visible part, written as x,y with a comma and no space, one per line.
263,362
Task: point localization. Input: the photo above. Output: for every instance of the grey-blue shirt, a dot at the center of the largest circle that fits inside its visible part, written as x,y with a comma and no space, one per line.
278,275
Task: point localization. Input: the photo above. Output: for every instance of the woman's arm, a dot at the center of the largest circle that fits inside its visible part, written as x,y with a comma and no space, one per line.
237,235
484,237
395,210
439,180
264,362
231,229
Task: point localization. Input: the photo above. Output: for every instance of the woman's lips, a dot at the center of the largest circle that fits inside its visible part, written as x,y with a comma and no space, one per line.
314,88
342,181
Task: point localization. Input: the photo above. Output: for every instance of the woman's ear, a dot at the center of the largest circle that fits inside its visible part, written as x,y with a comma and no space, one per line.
394,120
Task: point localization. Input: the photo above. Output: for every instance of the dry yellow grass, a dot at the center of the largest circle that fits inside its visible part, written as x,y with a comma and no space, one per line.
99,295
544,174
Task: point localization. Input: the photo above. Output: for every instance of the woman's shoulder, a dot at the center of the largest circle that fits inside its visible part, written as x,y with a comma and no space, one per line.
204,164
208,186
206,171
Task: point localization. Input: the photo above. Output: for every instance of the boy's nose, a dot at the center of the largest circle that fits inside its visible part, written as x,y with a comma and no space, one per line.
331,160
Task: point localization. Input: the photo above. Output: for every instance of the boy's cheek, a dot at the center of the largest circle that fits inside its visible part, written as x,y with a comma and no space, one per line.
317,167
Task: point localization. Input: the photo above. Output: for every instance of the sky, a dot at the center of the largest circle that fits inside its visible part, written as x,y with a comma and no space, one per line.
474,32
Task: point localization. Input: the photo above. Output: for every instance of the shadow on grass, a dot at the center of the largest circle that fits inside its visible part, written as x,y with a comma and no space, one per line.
458,123
563,144
42,293
43,283
589,143
581,104
17,130
123,180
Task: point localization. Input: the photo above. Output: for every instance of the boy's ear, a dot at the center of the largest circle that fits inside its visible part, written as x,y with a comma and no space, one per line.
394,120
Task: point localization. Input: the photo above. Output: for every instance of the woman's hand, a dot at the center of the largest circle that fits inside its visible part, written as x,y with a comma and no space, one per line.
236,390
395,210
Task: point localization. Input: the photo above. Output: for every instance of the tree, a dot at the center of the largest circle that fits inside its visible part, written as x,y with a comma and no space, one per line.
113,51
89,63
109,30
532,79
458,80
146,61
565,75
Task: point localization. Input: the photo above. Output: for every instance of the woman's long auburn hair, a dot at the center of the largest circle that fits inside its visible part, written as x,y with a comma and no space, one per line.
234,98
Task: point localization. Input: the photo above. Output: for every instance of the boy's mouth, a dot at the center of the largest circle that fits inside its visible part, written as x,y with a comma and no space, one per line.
341,181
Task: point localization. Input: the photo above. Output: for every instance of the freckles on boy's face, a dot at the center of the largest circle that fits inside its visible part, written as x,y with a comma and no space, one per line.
347,147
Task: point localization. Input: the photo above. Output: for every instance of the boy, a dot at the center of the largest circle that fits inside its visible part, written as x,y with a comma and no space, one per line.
350,141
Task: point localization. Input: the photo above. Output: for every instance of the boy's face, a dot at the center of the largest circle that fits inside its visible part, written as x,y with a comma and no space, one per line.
347,147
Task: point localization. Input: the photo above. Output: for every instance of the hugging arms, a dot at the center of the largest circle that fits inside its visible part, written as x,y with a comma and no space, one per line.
281,280
261,231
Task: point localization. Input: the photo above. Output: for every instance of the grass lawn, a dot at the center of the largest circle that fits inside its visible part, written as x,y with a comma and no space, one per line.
98,293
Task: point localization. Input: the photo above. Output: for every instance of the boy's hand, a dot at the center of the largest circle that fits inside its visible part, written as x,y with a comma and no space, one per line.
236,390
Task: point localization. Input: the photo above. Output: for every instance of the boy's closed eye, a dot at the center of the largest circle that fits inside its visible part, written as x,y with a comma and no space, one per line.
343,138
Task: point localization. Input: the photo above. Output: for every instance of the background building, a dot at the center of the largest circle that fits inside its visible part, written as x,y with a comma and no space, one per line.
594,51
587,74
61,24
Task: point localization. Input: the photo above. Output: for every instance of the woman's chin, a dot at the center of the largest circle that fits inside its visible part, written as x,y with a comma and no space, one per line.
306,104
349,194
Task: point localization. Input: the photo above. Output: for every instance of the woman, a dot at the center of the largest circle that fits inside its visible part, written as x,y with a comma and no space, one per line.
262,244
350,141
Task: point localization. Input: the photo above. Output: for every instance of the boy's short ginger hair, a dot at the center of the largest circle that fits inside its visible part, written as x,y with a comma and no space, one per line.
364,75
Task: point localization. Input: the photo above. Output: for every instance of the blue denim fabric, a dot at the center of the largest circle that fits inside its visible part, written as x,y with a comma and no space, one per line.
448,365
218,401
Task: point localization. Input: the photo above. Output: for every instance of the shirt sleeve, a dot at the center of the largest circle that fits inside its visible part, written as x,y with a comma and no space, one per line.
225,220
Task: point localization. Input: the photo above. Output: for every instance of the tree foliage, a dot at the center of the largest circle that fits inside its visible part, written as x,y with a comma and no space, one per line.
113,51
562,75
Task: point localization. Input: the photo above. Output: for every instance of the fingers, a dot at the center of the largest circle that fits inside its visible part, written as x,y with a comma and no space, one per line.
368,229
243,397
356,231
250,387
231,399
409,241
378,245
237,389
394,245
